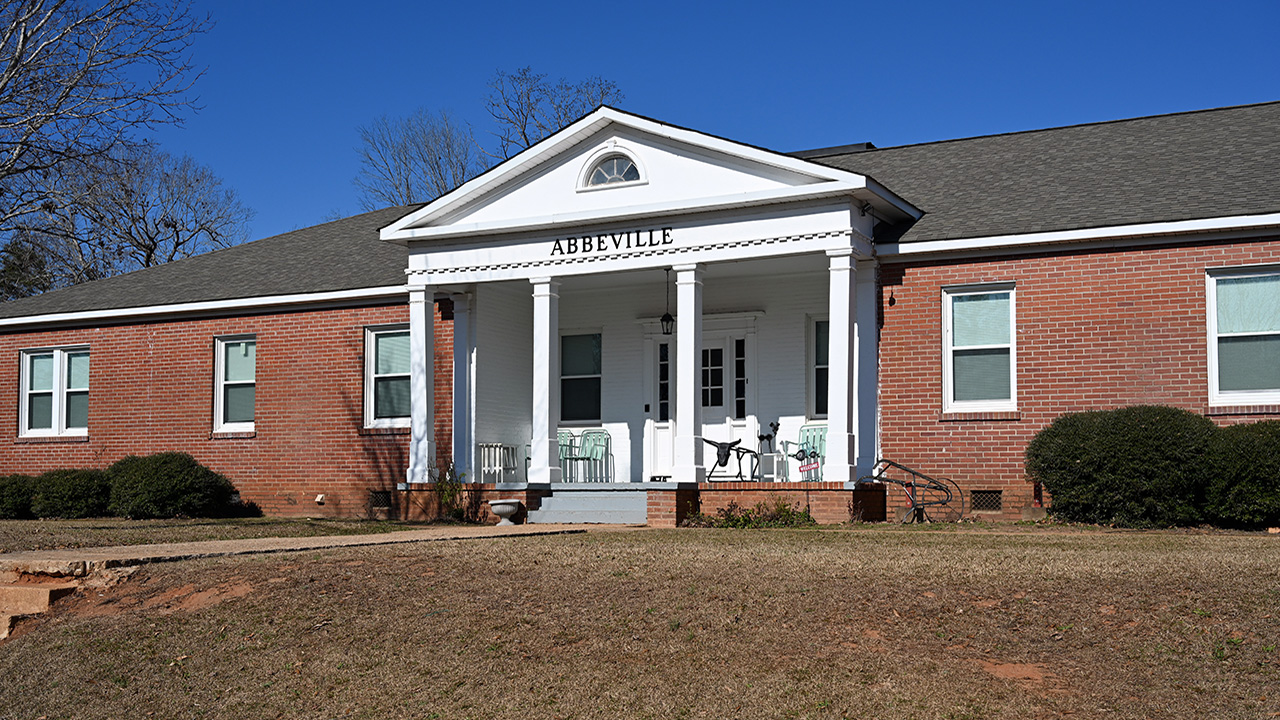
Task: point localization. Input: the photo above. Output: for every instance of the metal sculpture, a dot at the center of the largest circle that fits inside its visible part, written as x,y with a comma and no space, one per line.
725,451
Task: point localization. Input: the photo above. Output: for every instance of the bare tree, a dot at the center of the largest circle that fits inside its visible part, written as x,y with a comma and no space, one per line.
24,270
414,159
527,107
423,156
76,78
137,208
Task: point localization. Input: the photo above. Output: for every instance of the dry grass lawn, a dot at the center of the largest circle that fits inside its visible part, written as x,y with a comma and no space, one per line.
860,623
18,535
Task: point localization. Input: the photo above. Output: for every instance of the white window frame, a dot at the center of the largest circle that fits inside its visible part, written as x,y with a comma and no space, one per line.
59,392
593,422
1218,397
603,153
370,376
949,404
811,365
219,385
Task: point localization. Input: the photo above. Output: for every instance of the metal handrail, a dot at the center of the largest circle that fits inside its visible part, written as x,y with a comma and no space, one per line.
923,492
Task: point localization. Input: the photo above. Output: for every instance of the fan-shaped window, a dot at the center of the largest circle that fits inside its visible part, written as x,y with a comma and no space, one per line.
613,169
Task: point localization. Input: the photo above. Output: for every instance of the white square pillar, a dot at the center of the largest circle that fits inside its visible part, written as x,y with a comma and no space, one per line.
422,387
544,447
841,385
866,394
687,451
463,397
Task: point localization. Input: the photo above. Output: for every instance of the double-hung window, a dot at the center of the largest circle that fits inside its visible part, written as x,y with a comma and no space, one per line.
580,372
55,392
387,400
979,358
236,381
819,355
1244,337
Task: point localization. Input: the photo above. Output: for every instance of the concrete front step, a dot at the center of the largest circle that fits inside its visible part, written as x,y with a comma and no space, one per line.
29,599
619,507
18,599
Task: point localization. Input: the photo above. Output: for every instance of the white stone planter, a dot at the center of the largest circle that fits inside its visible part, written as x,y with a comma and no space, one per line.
505,509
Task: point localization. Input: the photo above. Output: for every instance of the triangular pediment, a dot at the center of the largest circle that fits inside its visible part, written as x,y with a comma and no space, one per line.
675,171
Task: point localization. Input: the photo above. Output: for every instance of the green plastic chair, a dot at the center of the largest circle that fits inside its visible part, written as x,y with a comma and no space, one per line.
809,448
595,456
568,449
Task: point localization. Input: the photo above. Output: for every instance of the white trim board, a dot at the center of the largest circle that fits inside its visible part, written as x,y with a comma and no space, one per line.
1118,233
236,304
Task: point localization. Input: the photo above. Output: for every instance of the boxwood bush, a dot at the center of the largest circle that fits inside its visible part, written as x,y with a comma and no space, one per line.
167,485
15,497
1243,468
70,494
1138,466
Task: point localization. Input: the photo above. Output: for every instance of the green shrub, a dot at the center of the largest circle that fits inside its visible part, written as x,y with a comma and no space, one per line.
168,485
1139,466
777,513
1243,468
71,494
15,497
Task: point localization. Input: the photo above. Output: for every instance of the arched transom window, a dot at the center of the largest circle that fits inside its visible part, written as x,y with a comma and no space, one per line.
613,169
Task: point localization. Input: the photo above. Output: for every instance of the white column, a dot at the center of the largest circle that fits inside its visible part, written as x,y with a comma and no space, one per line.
422,341
866,397
544,460
687,452
463,401
841,394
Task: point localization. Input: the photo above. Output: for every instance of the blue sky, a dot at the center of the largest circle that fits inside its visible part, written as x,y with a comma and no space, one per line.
287,85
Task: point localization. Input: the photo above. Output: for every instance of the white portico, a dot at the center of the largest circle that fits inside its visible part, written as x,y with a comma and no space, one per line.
558,262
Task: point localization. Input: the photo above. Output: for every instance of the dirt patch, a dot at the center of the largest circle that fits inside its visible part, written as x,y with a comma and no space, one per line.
107,594
1022,673
187,597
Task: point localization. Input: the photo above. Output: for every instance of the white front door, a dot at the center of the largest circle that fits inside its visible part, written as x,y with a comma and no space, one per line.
659,428
728,399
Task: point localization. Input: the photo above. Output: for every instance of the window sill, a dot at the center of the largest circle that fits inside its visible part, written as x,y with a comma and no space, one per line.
972,416
243,435
1243,410
39,439
386,431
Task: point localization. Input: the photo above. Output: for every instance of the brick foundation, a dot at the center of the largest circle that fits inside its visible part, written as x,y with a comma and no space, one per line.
420,505
828,503
668,507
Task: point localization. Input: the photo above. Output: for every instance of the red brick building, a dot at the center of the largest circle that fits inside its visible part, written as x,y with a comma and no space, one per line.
154,337
934,304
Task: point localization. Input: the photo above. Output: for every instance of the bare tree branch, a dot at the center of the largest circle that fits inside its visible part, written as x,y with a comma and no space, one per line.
76,78
135,208
527,107
413,159
423,156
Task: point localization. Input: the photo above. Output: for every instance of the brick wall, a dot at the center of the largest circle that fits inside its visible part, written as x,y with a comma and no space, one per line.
423,505
829,503
1095,330
151,390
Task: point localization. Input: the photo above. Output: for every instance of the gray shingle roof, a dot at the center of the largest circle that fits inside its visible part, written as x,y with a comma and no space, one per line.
341,255
1204,164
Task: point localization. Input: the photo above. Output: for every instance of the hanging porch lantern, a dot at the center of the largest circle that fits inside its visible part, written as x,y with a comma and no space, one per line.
668,322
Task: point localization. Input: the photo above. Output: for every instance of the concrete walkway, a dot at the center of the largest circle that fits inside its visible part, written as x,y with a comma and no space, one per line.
79,562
